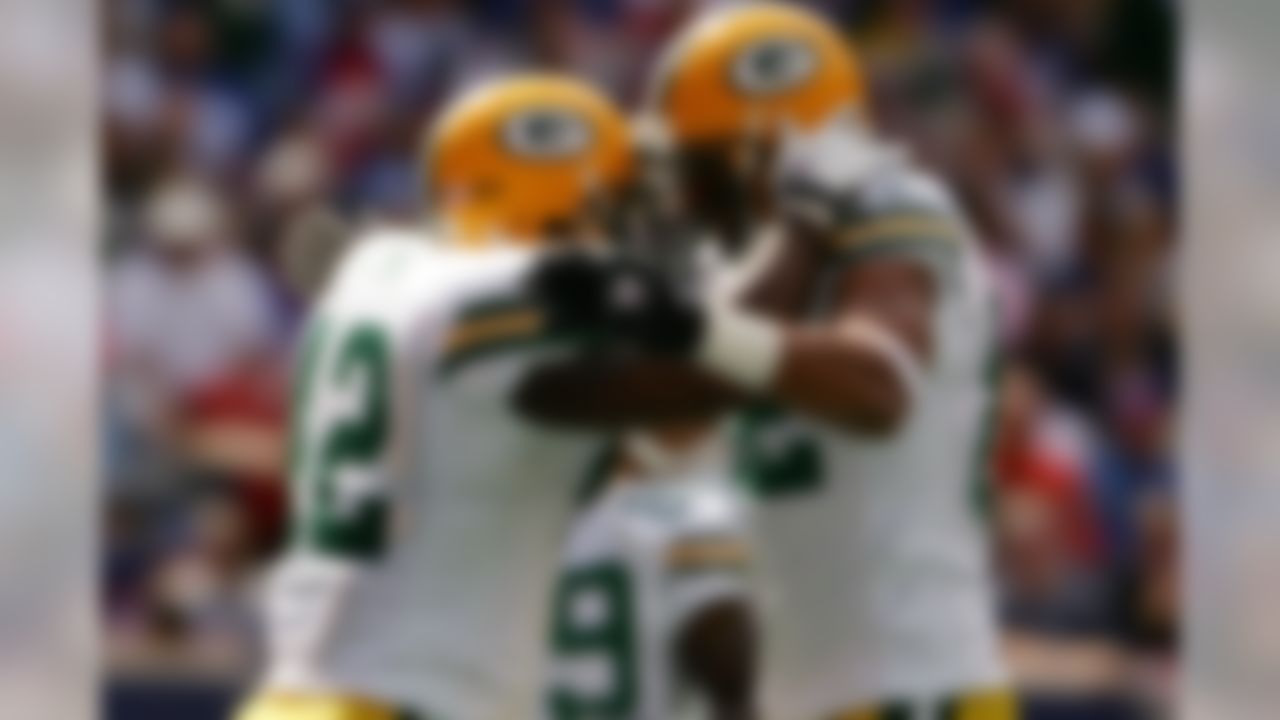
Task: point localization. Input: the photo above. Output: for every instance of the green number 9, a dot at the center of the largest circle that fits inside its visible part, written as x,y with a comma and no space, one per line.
609,635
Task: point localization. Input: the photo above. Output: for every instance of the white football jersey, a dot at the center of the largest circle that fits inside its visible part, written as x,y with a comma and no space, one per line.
644,558
427,515
873,552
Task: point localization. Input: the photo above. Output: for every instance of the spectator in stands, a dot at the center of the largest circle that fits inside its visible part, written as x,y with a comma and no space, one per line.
1040,455
194,614
184,308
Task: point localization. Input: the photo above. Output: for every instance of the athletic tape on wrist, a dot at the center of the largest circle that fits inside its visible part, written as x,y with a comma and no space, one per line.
741,347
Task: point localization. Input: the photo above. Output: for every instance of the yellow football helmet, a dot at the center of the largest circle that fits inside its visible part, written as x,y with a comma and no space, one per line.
512,158
745,70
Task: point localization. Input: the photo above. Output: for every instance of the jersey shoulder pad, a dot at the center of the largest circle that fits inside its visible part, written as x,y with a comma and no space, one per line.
378,254
906,188
905,211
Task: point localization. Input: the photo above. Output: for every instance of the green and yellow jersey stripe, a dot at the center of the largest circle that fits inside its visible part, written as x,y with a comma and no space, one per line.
493,326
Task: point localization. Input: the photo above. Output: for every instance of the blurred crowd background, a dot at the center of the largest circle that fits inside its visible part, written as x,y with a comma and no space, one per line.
231,127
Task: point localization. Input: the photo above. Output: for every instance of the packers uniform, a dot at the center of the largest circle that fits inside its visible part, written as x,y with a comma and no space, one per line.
874,551
871,553
642,560
427,514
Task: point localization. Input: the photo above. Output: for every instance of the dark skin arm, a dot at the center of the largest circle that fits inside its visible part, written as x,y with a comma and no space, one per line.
829,374
716,651
824,372
623,392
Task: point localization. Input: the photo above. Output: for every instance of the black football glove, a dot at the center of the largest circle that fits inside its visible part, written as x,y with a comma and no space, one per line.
616,299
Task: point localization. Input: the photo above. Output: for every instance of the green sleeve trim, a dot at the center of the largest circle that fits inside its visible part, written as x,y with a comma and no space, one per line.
454,362
492,327
708,553
927,248
884,231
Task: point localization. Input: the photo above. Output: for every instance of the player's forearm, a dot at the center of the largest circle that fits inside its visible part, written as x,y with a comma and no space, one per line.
622,393
717,652
844,382
742,711
846,374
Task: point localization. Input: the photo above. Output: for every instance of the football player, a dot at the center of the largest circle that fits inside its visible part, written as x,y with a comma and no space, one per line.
858,353
653,617
427,513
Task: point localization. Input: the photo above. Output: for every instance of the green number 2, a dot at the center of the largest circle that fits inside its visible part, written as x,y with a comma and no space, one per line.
594,617
352,442
775,458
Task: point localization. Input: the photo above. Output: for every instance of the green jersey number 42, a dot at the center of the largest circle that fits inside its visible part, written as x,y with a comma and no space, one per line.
341,425
776,458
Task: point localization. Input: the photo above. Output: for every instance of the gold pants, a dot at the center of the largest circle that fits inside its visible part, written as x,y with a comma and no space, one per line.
977,705
300,706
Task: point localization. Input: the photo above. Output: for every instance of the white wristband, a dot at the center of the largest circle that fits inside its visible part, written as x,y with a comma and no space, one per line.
743,348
